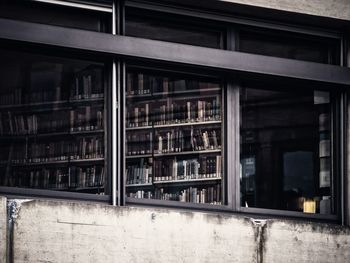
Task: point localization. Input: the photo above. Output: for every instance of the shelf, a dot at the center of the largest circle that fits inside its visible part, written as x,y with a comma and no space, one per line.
39,163
68,161
175,125
172,153
86,132
139,185
177,182
189,181
78,189
53,134
49,105
138,156
187,153
149,95
81,161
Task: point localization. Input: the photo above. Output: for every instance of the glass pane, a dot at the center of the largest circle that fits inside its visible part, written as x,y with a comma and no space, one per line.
51,123
293,47
157,27
286,150
55,15
173,138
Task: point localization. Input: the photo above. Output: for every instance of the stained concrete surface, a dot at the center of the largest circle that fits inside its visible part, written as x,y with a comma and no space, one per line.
339,9
49,231
61,231
3,229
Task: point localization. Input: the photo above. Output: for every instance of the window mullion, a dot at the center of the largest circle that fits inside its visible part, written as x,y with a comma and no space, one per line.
232,141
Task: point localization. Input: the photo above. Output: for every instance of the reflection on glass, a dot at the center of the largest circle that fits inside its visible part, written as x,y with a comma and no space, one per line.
285,150
173,138
51,123
287,46
154,26
53,14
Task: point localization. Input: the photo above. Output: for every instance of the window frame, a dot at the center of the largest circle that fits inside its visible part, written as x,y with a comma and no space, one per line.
47,193
118,48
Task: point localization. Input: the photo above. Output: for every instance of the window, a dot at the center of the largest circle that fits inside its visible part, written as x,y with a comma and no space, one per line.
52,123
178,29
286,149
293,46
174,137
57,15
179,121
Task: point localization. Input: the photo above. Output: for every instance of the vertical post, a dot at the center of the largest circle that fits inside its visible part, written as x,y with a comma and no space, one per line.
232,154
120,87
345,194
232,136
114,115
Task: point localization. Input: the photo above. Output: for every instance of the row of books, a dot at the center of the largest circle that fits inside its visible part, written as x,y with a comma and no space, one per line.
170,170
80,120
325,150
139,143
203,167
85,119
16,97
172,113
179,140
57,178
139,173
208,195
140,84
84,148
13,97
31,124
46,95
176,140
87,85
86,176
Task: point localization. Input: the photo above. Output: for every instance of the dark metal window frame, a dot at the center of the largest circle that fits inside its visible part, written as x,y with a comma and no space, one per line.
228,64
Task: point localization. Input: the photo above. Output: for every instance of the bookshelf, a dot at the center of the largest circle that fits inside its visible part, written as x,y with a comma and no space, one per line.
173,138
52,125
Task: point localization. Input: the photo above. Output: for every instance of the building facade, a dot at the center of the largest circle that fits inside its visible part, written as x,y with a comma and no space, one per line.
149,131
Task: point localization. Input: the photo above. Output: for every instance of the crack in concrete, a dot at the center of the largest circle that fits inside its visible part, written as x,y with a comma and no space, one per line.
260,231
13,208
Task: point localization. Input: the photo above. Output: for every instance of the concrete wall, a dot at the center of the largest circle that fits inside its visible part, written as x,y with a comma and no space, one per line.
58,231
339,9
47,231
286,241
3,229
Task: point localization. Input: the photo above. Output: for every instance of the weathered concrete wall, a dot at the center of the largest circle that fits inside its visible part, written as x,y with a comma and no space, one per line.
285,241
3,229
47,231
339,9
53,231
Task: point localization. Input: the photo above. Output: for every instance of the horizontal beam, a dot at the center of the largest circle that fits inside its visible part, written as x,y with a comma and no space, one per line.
132,47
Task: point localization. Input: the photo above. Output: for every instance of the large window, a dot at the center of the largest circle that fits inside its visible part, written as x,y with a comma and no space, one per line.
286,149
174,137
174,120
58,15
52,123
178,29
292,46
